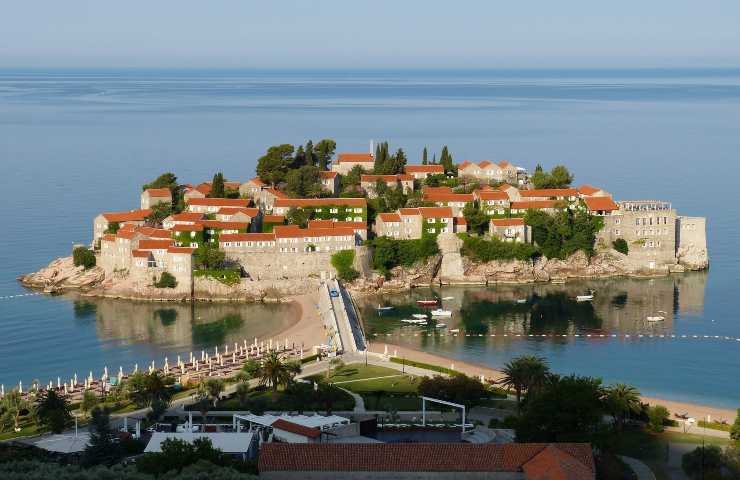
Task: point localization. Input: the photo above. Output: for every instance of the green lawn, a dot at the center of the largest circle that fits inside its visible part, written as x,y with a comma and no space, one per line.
299,397
358,371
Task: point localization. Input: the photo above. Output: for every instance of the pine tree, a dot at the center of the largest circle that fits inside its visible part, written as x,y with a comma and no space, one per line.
310,160
217,186
324,151
424,155
299,159
434,159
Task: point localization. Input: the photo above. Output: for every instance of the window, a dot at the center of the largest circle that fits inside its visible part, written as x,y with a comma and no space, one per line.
617,232
358,210
358,219
430,230
617,221
430,220
333,210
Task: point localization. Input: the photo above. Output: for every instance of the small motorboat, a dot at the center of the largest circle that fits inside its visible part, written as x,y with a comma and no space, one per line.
441,325
521,300
455,330
655,318
427,303
383,309
419,315
448,298
585,298
441,313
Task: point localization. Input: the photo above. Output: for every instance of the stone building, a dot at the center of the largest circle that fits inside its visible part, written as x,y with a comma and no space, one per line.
330,182
421,172
267,198
252,188
456,201
184,218
102,222
360,228
509,229
493,202
488,171
341,209
346,161
402,181
199,191
213,205
414,223
155,196
520,208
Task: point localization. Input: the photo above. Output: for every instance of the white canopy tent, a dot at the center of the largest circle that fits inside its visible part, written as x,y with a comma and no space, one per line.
311,421
228,442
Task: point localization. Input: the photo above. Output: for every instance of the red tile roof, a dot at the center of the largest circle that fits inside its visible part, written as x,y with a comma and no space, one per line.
108,237
534,204
198,227
491,195
549,192
291,427
314,232
424,169
224,225
413,457
319,202
251,212
448,197
461,221
158,192
555,464
219,202
333,224
186,217
273,218
325,174
285,228
464,164
188,250
274,191
232,185
154,232
435,212
507,222
204,188
605,204
147,244
347,157
128,234
132,216
243,237
588,189
140,254
409,211
436,189
504,164
389,217
375,178
484,163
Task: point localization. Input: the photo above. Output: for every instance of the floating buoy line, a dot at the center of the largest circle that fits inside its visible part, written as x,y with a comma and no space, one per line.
8,297
617,336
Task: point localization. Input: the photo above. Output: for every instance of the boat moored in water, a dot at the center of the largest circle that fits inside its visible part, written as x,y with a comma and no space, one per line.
441,313
427,303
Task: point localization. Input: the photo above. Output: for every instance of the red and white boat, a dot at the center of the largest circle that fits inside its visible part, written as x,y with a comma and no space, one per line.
427,303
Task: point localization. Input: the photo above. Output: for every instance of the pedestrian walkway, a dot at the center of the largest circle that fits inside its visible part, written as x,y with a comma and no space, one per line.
642,471
367,379
359,401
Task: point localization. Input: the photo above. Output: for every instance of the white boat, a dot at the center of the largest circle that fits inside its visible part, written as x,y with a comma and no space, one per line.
448,298
408,320
419,315
584,298
383,309
441,313
441,325
657,318
455,330
521,300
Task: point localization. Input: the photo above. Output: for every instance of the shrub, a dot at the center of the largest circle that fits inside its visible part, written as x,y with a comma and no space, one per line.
495,249
342,261
391,253
701,461
83,256
562,234
621,246
225,276
166,280
735,430
657,416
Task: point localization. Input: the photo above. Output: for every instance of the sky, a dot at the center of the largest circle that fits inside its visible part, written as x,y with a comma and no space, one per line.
356,34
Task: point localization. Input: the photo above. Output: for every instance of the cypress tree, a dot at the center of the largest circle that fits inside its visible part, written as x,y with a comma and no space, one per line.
217,186
434,159
300,157
424,155
446,159
309,154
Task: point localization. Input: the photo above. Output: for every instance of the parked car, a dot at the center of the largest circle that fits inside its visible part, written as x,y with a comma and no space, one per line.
333,293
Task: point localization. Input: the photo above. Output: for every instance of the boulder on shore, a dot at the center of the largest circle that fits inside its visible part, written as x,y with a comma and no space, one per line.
61,274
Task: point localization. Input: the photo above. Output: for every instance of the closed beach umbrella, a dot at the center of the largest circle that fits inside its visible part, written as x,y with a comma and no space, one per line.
20,386
120,373
216,350
2,390
90,377
233,357
226,350
286,343
75,378
59,382
136,367
385,351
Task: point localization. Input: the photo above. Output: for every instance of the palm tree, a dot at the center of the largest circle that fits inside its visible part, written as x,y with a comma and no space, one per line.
621,401
525,374
274,372
12,407
214,387
242,393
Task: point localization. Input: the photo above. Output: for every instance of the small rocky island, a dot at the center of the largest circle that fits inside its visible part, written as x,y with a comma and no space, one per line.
376,222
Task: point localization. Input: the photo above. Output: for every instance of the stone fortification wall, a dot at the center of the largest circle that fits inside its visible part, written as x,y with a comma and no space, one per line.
273,290
691,242
283,266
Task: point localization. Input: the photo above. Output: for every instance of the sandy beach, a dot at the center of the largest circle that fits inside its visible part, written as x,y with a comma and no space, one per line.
472,369
308,331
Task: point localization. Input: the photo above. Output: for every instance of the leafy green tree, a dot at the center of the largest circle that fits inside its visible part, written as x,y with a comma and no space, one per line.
12,407
250,370
461,389
166,280
89,402
242,393
273,165
342,261
299,159
113,228
217,186
103,448
352,179
622,401
310,158
84,257
735,430
303,182
166,180
324,151
494,249
702,462
477,220
52,410
525,374
562,234
558,177
298,216
657,417
208,256
565,409
159,212
176,455
145,388
214,388
621,246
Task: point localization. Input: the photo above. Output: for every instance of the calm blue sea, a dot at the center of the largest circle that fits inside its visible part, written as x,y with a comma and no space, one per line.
74,143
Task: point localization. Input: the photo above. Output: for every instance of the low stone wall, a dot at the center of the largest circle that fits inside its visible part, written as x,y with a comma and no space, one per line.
247,290
280,266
